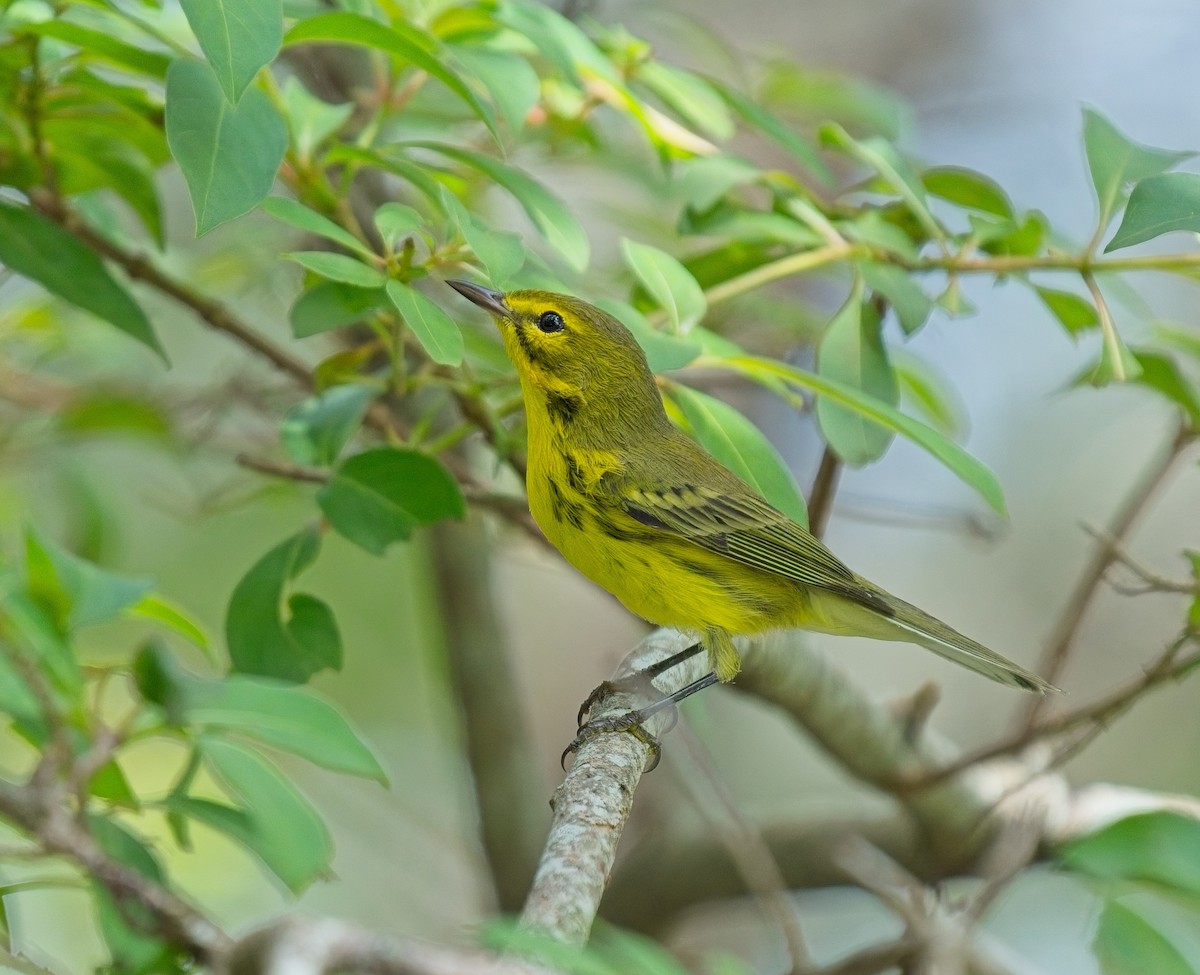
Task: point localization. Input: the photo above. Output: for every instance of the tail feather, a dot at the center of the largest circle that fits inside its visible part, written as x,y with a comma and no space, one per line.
947,642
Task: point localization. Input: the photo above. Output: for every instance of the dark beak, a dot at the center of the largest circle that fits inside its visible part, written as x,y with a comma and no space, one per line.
487,299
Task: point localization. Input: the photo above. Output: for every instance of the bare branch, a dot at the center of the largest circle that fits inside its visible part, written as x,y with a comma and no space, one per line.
1169,666
324,946
593,803
820,501
750,854
1062,640
1154,581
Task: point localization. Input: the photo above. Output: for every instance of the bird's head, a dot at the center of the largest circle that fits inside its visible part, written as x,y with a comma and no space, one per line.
563,346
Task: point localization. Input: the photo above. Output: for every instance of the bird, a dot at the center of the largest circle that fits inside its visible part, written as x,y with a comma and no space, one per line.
642,510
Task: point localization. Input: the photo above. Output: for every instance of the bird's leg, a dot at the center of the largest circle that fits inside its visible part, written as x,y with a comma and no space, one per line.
636,680
631,721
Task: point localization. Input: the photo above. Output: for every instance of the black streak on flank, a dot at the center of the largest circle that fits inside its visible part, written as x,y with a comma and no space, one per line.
562,408
561,509
574,473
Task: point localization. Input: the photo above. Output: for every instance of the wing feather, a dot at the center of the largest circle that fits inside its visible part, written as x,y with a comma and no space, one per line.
747,529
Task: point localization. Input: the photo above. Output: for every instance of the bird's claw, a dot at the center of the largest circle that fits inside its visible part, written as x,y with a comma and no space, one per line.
601,690
630,722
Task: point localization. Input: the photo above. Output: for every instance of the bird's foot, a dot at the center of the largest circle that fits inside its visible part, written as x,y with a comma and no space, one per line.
632,684
630,723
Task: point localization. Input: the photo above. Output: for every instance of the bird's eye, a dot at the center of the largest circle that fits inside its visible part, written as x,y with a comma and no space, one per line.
551,321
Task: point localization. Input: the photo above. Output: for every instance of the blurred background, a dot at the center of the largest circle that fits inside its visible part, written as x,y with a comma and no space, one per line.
997,87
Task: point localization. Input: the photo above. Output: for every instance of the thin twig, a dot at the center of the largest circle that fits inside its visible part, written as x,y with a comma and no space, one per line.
1154,581
284,469
1093,717
141,268
1061,642
749,852
820,501
323,946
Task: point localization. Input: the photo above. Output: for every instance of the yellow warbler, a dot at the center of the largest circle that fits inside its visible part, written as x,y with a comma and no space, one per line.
645,512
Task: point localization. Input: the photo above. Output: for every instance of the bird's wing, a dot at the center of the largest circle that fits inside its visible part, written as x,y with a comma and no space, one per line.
743,527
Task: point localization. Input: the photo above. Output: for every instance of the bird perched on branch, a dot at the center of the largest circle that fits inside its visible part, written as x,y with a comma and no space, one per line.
642,510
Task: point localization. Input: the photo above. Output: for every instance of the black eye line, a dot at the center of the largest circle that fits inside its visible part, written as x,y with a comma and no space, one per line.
550,321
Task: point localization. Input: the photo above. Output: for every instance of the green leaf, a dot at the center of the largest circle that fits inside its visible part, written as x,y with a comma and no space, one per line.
1159,205
292,646
663,351
379,496
437,332
1117,362
811,94
930,392
109,783
339,267
32,630
1115,161
881,156
101,411
669,283
852,352
282,715
80,592
501,253
34,247
405,41
89,155
421,176
332,304
157,609
296,214
1155,847
549,214
123,925
316,429
947,451
510,80
1162,374
395,221
1127,944
755,115
229,155
310,119
237,36
703,181
1021,239
689,94
16,697
1076,313
102,46
967,188
557,39
1183,340
740,445
907,298
276,822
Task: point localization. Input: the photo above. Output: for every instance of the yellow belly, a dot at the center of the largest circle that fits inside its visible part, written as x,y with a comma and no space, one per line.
667,581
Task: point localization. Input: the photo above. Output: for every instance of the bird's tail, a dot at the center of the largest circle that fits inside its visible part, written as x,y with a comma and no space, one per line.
921,628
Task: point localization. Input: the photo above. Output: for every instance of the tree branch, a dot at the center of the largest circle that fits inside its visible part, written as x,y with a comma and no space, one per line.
1058,650
325,946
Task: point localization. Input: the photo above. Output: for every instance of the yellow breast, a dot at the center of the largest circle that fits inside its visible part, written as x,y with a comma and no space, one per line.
665,580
